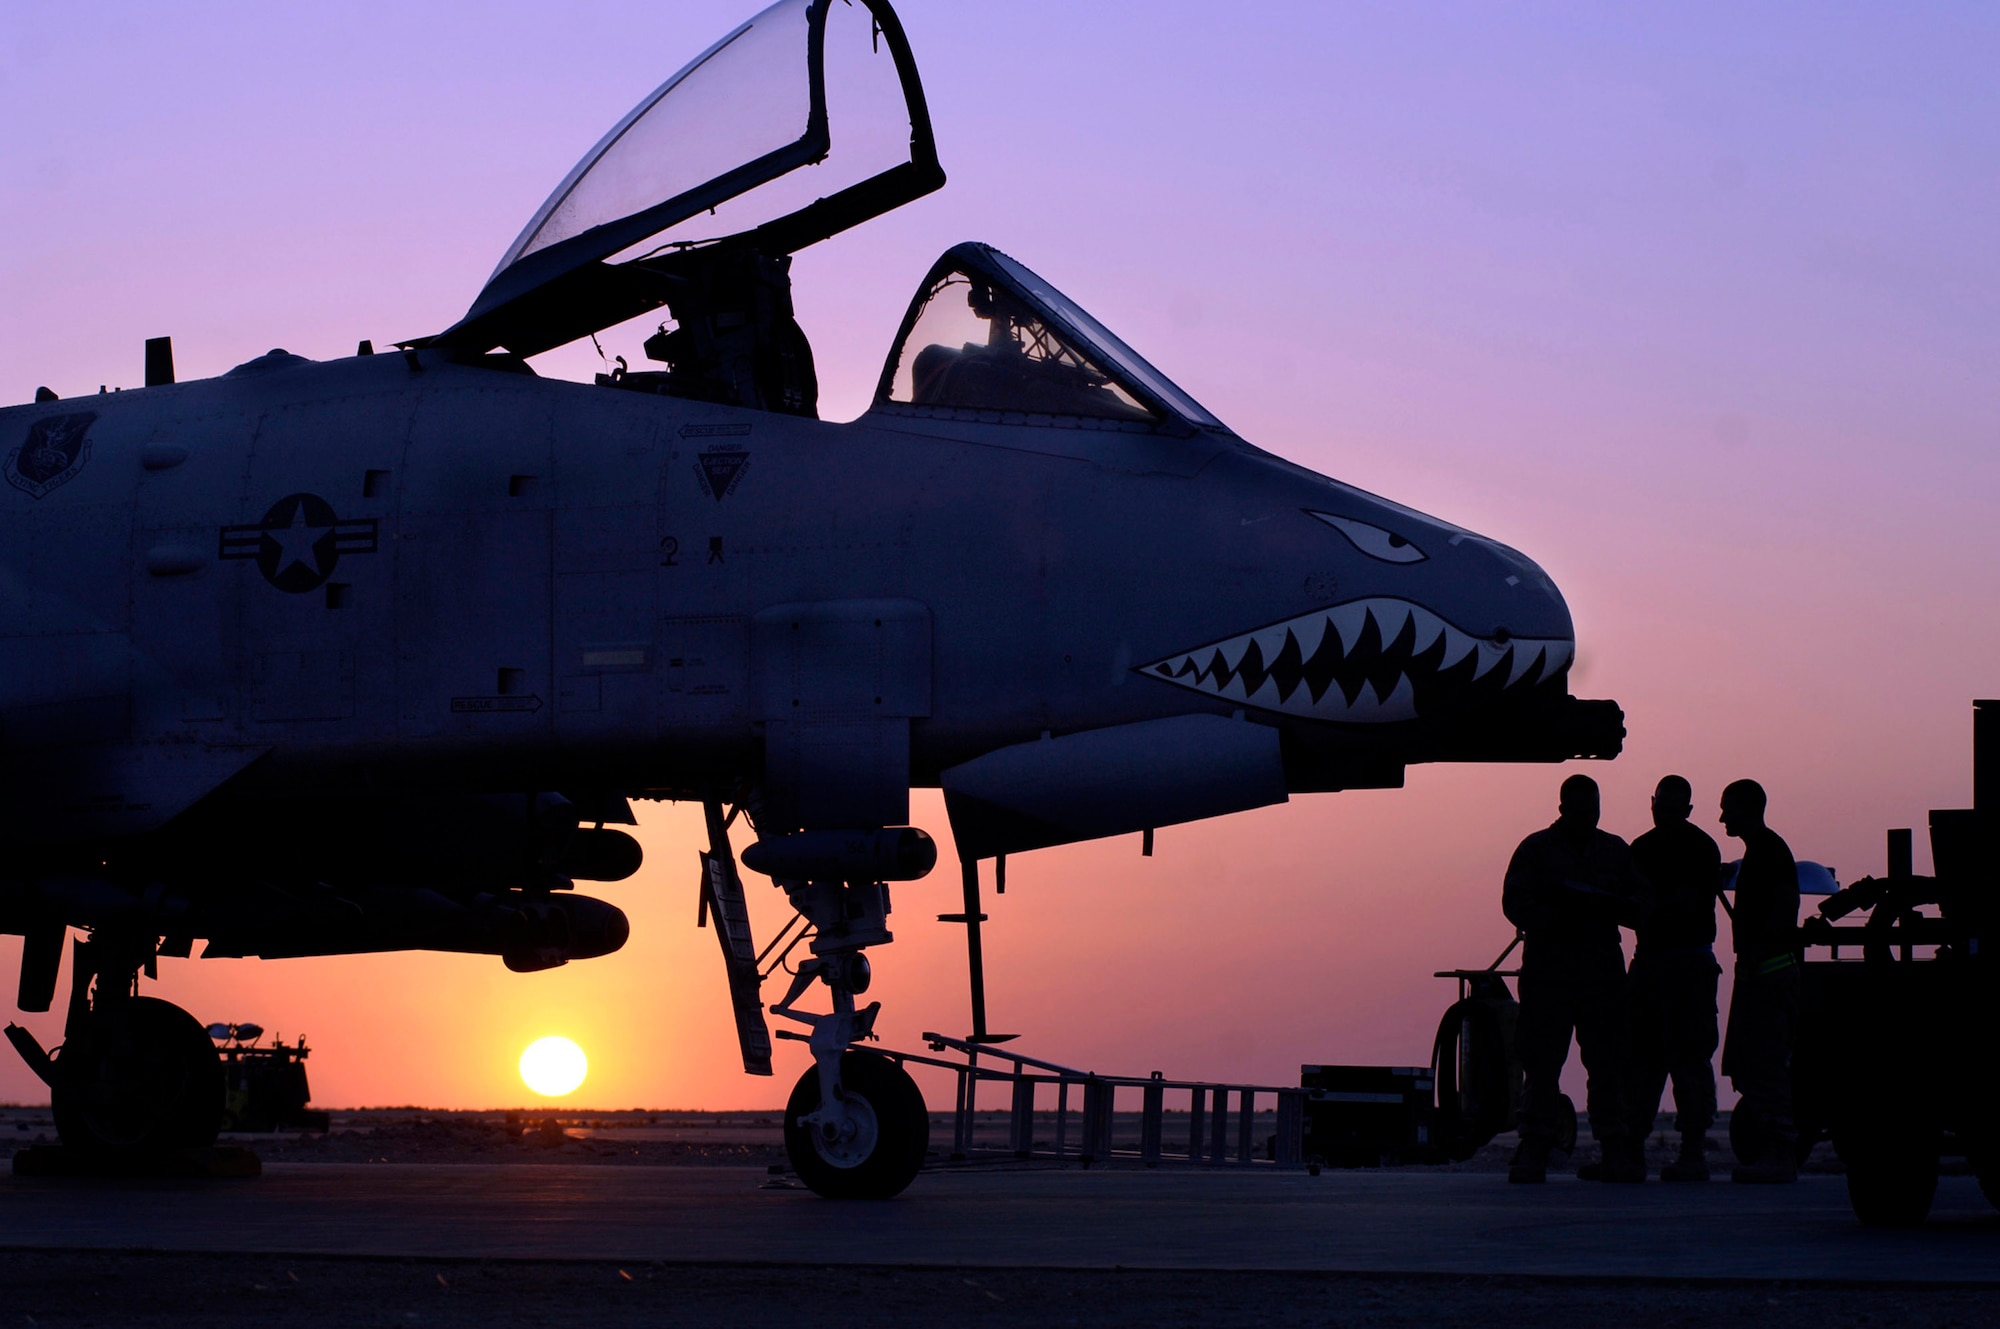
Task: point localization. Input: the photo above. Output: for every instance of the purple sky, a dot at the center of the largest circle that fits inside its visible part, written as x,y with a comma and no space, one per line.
1698,307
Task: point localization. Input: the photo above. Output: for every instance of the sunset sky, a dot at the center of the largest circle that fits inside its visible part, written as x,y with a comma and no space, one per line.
1698,306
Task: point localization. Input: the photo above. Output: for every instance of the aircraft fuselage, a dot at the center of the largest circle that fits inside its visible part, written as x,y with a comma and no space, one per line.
363,574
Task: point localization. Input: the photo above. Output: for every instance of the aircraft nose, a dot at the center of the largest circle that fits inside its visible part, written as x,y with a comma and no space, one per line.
1477,584
1406,618
1520,598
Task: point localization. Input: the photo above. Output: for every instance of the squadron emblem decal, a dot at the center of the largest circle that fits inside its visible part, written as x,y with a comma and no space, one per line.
299,542
720,470
57,448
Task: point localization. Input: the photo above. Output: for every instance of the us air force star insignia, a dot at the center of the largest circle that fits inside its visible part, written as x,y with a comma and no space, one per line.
299,542
56,449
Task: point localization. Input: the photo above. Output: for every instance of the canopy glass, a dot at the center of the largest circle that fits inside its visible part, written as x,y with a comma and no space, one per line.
987,334
718,155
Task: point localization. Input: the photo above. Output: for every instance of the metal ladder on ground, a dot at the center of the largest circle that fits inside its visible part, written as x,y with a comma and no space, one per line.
1222,1119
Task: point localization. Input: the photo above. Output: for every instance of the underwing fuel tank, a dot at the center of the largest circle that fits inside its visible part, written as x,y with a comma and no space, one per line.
528,932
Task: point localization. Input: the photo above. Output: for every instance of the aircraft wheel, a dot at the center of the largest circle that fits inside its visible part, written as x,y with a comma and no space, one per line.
1472,1039
140,1078
892,1131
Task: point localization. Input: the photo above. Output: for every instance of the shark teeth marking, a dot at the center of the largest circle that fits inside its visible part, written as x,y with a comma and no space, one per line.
1368,661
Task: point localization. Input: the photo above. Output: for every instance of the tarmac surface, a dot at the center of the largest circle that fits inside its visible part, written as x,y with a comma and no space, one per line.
1380,1222
402,1216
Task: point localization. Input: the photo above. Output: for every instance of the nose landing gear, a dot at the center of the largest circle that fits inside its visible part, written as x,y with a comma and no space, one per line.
856,1127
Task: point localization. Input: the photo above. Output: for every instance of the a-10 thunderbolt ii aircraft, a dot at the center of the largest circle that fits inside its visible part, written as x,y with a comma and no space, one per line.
374,654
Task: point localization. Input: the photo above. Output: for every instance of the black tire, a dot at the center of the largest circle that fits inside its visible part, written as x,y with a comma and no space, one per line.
881,1168
1473,1036
1892,1175
140,1078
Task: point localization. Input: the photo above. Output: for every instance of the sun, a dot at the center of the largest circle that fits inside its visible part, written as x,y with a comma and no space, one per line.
553,1066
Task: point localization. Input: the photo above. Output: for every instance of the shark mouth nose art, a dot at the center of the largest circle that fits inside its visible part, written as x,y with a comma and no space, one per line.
1369,661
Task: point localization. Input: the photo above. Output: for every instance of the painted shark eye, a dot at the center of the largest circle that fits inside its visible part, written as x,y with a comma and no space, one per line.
1372,540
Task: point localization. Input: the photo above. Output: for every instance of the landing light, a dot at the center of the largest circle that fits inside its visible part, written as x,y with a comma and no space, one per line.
553,1066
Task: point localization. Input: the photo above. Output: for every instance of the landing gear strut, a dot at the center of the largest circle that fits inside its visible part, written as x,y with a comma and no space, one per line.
856,1126
135,1075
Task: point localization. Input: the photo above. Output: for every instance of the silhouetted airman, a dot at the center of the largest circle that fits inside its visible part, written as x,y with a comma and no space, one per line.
1764,1004
1674,978
1568,889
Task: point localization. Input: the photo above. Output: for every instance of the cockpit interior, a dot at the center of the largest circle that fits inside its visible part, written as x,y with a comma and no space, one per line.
977,346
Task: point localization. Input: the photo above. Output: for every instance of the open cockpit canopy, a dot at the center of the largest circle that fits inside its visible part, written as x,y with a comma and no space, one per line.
803,122
987,339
